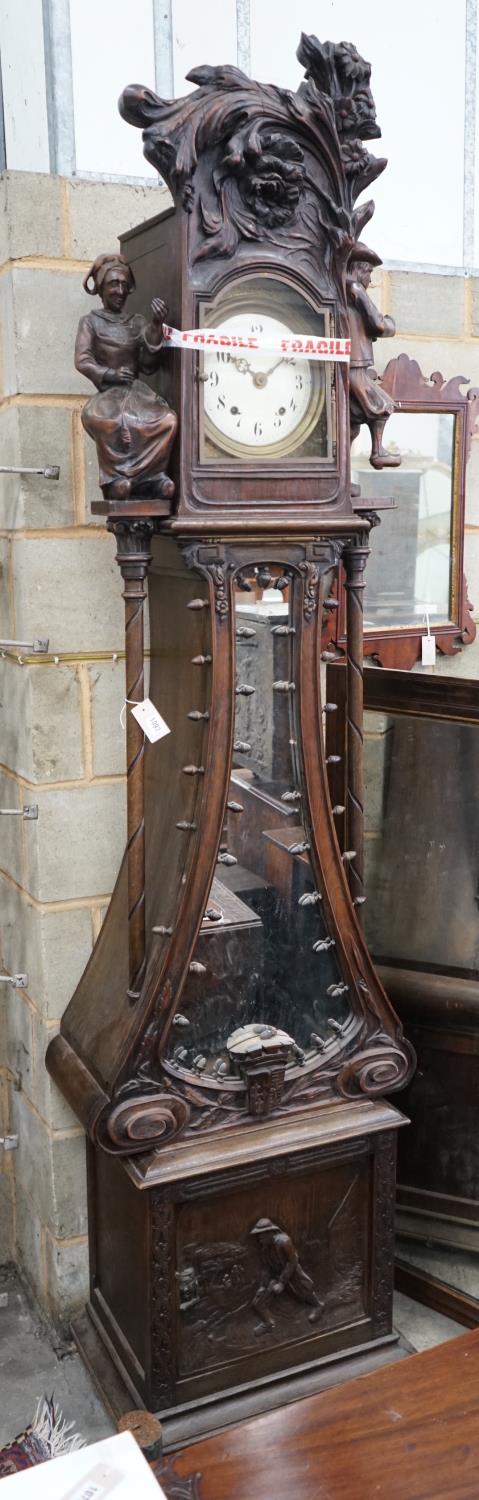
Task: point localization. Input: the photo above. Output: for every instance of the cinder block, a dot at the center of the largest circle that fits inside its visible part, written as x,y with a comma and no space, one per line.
107,689
28,1242
40,1088
51,1172
42,738
47,307
6,1219
80,842
67,1277
20,1038
471,569
475,305
7,336
33,436
52,947
100,211
423,303
6,611
69,590
472,485
30,215
11,829
450,356
92,483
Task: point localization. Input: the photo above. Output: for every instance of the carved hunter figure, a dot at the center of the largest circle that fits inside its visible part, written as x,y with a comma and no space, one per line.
368,402
133,428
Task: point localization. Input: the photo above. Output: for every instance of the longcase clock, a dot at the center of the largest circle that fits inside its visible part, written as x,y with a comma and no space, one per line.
229,1045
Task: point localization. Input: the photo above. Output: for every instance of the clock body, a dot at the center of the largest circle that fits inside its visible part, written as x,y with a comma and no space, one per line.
259,435
229,1047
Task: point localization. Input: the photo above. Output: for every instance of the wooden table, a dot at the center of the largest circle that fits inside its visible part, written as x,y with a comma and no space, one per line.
410,1431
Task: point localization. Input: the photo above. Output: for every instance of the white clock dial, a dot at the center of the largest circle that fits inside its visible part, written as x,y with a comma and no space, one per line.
255,401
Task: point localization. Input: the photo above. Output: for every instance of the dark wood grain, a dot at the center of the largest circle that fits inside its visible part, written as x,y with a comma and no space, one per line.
408,1432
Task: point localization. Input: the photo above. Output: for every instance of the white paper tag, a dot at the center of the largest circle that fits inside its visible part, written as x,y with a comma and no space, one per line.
150,720
428,647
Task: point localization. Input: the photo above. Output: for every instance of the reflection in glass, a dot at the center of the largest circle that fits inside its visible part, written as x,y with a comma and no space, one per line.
264,954
409,571
458,1268
422,842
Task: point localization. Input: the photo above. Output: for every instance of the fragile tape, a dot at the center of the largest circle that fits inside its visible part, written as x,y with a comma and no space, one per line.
294,345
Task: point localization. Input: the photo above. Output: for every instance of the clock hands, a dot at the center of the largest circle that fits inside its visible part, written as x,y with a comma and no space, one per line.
260,377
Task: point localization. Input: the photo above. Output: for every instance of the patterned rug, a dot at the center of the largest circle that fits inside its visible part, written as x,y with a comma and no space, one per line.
48,1436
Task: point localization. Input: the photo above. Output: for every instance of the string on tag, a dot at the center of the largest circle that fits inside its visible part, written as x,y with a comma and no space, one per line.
134,702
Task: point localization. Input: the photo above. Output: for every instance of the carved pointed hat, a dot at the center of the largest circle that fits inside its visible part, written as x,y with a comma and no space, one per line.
360,251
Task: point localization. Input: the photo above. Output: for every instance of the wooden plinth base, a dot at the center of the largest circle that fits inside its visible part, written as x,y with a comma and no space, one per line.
121,510
206,1418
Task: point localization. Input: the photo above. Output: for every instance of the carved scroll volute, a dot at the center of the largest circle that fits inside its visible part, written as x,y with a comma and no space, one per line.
143,1122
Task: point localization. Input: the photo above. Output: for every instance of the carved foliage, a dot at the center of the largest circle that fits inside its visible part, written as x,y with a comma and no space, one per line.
384,1204
162,1317
259,141
311,575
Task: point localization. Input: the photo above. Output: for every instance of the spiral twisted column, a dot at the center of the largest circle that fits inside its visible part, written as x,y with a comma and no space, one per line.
355,556
133,540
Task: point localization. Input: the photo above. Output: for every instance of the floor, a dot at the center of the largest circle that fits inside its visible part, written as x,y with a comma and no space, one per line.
30,1367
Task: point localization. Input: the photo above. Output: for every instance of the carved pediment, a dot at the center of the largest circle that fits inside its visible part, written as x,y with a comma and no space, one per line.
257,163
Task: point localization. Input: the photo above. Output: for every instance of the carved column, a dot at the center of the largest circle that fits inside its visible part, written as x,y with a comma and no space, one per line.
133,539
354,558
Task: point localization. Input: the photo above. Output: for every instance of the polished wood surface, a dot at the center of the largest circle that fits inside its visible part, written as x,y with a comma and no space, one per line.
408,1432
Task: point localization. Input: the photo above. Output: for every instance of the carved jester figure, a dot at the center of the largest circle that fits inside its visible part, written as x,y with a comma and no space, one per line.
133,428
230,1050
368,402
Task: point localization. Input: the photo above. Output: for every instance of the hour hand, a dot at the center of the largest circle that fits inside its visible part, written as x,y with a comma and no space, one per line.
242,365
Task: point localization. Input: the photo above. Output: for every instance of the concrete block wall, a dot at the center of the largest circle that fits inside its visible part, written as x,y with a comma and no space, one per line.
62,745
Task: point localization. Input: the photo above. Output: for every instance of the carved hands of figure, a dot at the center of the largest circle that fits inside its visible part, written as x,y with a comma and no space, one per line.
369,402
133,428
259,180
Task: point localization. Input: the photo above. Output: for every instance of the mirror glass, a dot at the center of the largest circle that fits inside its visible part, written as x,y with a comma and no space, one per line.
408,577
264,955
458,1268
422,842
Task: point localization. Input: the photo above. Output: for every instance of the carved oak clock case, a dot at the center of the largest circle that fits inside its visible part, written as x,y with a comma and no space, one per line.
229,1045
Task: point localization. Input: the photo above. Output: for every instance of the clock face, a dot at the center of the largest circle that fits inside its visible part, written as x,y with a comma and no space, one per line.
259,400
257,404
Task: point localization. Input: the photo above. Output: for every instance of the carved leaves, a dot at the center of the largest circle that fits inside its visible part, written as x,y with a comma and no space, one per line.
279,163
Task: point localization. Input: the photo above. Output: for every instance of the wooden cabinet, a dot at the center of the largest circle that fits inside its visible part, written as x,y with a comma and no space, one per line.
229,1045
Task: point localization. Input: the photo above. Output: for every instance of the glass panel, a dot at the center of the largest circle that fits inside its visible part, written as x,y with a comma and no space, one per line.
422,842
456,1267
409,571
264,405
264,956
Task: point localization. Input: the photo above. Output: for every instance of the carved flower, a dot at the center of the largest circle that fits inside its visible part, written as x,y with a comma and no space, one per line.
271,177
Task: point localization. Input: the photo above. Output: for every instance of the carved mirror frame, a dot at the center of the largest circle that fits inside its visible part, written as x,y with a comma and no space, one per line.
400,646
